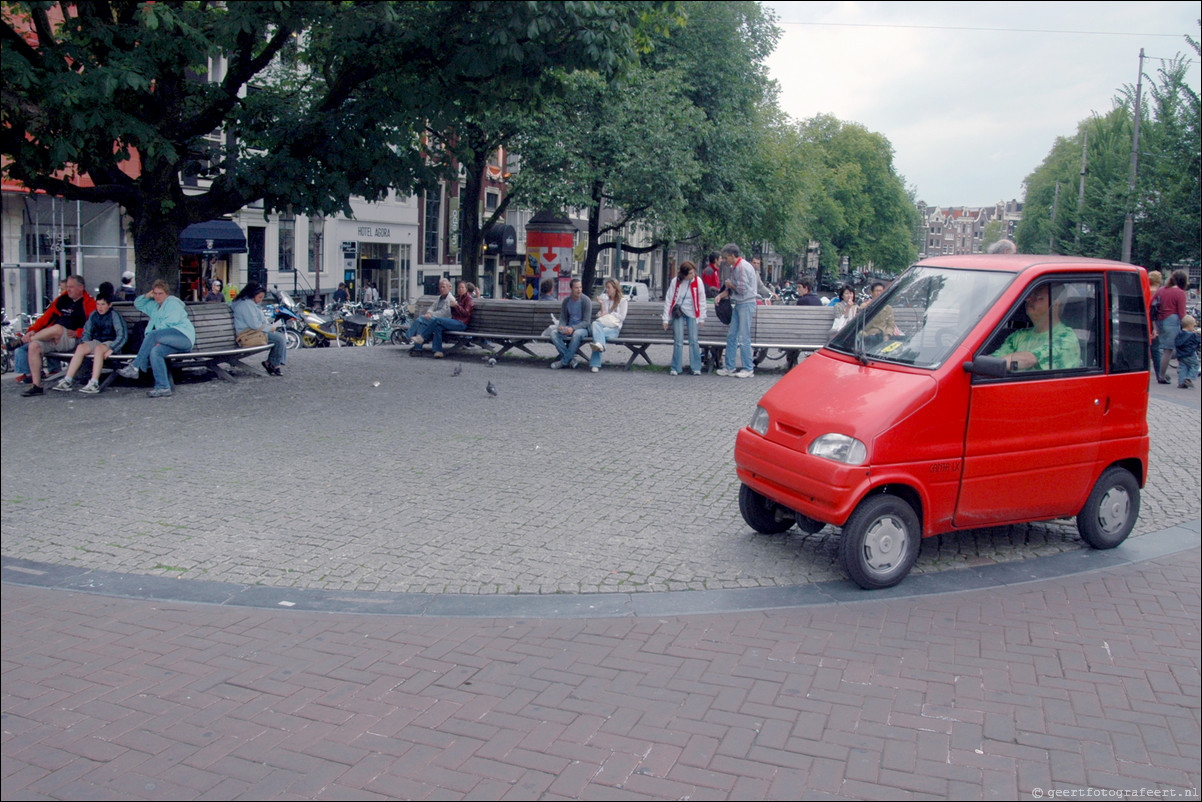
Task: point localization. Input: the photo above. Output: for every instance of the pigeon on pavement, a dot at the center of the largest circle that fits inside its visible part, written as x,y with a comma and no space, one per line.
492,390
458,370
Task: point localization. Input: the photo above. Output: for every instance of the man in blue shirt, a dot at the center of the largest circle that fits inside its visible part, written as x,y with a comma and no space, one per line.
575,315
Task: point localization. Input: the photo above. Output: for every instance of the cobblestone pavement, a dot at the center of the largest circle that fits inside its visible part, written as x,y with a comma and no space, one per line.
325,482
365,469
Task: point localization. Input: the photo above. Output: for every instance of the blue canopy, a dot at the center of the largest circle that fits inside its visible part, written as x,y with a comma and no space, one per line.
225,236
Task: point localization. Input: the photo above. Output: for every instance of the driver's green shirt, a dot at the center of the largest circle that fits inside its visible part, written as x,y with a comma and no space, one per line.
1063,344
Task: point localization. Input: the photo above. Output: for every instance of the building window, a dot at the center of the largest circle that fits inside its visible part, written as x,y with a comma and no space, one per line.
287,251
430,234
491,201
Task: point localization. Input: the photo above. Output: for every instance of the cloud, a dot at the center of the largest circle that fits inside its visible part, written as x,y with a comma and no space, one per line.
971,105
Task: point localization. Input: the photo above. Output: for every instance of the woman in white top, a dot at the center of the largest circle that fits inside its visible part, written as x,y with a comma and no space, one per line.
609,323
686,293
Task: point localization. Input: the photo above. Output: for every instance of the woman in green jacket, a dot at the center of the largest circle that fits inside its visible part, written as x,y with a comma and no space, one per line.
169,331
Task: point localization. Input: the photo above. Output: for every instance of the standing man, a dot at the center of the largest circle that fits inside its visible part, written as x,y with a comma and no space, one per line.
575,315
742,288
341,296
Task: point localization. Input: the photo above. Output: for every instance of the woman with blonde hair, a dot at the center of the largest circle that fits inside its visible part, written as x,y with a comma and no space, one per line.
168,331
609,323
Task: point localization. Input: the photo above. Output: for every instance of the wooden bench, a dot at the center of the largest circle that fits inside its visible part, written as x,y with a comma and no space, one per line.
500,325
215,343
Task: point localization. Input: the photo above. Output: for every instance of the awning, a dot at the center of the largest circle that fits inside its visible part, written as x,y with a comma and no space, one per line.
212,236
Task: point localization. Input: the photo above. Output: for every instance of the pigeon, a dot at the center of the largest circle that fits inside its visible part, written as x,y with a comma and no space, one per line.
458,370
492,390
492,362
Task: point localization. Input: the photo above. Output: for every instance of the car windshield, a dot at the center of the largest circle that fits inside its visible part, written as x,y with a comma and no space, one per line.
922,317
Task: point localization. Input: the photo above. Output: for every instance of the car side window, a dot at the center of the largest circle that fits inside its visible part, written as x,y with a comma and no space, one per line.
1128,323
1055,327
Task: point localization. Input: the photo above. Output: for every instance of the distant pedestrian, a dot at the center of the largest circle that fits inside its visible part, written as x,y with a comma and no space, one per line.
215,295
1172,311
341,296
1155,282
684,310
743,290
805,293
711,277
126,291
1186,346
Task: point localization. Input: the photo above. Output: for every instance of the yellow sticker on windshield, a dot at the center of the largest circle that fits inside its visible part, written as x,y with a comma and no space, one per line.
891,347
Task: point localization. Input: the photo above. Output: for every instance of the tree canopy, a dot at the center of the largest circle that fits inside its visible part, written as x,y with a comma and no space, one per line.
317,101
1166,203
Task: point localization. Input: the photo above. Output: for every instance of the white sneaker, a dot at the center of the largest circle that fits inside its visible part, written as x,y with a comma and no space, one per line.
744,374
64,386
91,388
724,372
596,347
673,373
556,365
595,370
128,372
418,339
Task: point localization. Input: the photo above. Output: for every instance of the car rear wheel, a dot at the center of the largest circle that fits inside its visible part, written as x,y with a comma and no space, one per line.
1110,513
880,542
763,515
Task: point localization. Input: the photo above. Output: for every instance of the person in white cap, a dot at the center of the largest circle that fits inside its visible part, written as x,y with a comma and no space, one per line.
126,291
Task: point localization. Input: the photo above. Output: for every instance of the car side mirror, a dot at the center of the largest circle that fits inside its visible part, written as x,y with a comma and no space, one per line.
992,367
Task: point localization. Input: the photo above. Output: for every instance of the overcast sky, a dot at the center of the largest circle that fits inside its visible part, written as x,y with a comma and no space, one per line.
972,95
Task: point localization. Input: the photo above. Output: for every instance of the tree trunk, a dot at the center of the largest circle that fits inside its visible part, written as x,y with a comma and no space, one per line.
156,228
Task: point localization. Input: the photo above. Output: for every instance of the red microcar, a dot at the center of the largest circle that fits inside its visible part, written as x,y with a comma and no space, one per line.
976,391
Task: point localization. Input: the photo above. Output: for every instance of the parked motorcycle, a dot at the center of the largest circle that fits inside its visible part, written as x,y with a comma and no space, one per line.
320,330
356,329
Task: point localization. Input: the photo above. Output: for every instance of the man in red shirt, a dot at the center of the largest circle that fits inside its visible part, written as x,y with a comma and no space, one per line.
58,329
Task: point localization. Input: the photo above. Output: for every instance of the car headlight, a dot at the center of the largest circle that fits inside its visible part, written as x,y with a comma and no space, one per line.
840,448
759,421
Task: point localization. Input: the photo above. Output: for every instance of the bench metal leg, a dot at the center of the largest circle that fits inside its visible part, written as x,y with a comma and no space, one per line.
635,352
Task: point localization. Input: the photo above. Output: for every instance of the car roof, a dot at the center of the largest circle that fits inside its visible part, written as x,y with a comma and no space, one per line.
1017,263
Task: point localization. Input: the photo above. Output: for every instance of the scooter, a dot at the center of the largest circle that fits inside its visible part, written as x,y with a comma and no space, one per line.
356,329
320,330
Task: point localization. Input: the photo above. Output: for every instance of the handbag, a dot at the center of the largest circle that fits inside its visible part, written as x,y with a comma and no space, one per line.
250,338
610,321
676,310
724,310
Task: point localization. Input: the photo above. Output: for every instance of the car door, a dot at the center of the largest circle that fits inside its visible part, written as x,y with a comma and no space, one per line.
1031,442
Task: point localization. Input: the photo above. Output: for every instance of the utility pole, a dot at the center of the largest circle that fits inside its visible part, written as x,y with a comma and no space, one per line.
1129,222
1055,206
1081,192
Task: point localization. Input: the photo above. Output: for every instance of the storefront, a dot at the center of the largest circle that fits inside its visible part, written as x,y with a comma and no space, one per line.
380,254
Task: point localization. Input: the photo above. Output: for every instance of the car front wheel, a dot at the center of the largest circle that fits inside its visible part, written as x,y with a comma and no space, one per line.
880,542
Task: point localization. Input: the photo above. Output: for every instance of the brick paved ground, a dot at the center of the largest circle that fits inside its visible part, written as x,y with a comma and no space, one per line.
1089,682
425,484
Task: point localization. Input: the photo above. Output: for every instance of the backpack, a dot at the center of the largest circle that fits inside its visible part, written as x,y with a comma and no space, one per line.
1154,307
